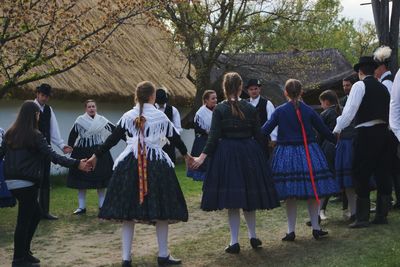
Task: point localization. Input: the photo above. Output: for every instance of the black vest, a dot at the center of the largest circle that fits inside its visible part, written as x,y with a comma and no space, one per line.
168,112
44,122
375,103
389,77
262,110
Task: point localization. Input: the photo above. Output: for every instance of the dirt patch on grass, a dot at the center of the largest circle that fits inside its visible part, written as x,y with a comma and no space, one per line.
92,242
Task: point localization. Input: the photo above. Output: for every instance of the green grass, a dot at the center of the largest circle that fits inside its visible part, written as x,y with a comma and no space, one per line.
374,246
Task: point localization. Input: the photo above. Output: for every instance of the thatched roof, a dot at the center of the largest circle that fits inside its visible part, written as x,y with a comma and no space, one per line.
318,70
135,53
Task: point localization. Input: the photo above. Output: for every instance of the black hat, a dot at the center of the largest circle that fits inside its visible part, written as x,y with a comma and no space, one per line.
253,82
161,96
44,88
365,60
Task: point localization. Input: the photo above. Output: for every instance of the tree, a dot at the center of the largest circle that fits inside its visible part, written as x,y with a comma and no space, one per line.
41,38
388,31
206,29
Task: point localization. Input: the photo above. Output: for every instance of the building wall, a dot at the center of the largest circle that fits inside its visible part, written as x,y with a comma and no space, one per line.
66,113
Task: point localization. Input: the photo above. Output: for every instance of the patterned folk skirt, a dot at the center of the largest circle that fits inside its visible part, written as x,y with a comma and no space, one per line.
292,176
164,201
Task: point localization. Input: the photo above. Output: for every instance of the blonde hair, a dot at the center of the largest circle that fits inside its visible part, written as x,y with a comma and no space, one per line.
206,95
232,84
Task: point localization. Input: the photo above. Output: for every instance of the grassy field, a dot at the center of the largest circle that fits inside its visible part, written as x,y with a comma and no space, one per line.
87,241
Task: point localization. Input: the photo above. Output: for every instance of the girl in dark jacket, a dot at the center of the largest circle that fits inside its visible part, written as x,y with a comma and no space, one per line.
24,149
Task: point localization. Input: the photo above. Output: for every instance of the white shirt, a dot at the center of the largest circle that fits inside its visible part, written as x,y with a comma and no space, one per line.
270,109
394,111
55,136
350,109
387,83
176,117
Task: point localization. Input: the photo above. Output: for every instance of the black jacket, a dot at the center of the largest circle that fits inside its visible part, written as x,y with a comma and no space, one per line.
28,164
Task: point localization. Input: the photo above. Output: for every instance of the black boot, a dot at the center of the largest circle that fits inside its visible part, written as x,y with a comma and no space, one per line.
363,206
382,209
169,260
126,264
44,202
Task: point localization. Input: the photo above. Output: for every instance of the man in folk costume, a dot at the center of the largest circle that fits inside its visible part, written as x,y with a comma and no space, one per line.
88,132
48,126
368,105
385,76
172,114
264,107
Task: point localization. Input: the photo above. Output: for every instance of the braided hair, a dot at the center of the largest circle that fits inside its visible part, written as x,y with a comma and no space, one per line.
232,85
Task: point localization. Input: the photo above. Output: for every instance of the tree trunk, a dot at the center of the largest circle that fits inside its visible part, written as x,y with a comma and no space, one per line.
202,84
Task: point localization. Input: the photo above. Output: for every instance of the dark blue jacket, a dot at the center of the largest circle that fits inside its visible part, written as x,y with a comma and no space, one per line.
289,131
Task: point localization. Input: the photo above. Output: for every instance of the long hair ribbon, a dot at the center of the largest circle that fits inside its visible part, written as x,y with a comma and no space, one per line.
142,158
303,132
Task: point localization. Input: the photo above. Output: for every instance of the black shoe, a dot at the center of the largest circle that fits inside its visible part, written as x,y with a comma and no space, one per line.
31,258
318,234
233,249
79,211
126,264
255,243
359,224
289,237
169,260
352,218
49,217
308,223
380,220
23,263
396,206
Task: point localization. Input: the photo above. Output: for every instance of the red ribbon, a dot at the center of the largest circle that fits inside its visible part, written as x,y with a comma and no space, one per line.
142,159
303,132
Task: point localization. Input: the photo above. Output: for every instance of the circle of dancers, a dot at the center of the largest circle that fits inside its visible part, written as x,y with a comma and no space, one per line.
249,156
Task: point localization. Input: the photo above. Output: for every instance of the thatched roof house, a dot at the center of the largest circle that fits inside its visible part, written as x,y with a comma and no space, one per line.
134,54
318,70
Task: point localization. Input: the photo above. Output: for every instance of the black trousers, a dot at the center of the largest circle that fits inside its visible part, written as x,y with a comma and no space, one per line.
394,165
44,193
372,157
29,215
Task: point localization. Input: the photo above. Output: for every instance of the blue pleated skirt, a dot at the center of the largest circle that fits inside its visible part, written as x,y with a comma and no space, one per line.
292,176
343,162
238,177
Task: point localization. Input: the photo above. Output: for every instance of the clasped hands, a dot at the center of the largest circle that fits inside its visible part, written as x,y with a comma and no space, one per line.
88,165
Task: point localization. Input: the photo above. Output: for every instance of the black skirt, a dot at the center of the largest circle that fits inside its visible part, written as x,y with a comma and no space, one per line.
96,179
164,201
239,177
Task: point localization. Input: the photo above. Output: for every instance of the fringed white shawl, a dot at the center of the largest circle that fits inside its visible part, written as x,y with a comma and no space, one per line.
203,118
156,130
92,131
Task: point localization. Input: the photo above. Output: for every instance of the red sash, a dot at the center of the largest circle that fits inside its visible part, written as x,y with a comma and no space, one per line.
142,159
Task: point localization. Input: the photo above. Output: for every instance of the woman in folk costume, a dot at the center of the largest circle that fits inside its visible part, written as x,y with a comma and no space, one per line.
88,132
144,187
237,176
6,198
299,167
202,125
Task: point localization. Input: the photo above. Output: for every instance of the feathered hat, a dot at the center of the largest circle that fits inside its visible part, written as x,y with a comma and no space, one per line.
382,55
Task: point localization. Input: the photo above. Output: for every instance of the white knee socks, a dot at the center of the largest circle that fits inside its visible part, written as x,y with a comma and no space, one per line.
352,199
101,194
291,212
127,237
250,217
313,210
82,198
162,238
234,224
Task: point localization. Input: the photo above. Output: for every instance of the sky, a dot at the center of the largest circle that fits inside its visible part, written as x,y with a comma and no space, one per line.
353,9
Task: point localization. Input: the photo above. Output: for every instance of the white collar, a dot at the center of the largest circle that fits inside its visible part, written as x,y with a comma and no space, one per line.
385,74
